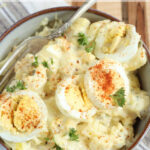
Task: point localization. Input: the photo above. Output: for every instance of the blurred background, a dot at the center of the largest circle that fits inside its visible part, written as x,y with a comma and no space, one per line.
136,12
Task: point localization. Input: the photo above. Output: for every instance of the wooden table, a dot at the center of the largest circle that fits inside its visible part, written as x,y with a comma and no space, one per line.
136,13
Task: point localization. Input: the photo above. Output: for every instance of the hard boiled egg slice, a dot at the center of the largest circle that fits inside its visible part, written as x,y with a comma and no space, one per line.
118,41
94,29
103,79
22,116
72,101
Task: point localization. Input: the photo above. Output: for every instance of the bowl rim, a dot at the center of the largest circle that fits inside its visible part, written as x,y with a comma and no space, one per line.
73,8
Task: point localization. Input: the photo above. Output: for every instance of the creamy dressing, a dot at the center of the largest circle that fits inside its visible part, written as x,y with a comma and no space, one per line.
110,128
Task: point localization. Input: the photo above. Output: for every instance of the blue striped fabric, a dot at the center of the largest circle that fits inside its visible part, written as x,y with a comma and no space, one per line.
10,13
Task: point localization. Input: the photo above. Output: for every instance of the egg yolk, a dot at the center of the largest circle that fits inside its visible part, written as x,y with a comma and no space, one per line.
106,82
76,98
20,114
113,38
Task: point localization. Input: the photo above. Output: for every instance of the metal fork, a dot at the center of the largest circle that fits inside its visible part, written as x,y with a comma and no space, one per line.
24,48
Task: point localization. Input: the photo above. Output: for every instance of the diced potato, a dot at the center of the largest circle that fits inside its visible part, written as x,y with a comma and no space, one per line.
80,25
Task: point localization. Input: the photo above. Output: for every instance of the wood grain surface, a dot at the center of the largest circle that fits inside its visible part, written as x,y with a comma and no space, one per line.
137,16
136,13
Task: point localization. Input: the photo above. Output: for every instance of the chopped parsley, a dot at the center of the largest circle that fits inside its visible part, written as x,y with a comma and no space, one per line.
82,39
35,63
11,89
52,61
57,147
46,139
19,86
91,47
119,97
73,135
45,64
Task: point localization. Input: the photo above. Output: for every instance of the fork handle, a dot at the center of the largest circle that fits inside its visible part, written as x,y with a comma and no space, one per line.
81,11
61,30
77,14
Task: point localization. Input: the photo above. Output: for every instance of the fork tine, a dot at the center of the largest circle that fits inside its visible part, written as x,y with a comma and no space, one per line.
12,59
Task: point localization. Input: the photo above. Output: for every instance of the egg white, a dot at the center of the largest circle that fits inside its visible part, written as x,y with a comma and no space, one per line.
22,137
90,84
125,47
65,108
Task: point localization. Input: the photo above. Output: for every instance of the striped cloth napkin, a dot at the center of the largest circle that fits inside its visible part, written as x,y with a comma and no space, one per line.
13,10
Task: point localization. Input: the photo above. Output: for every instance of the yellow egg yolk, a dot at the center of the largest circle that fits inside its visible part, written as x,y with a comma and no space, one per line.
20,114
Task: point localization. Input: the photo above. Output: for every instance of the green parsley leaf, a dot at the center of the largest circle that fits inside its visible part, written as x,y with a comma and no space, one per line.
90,47
119,97
20,85
52,62
11,89
45,64
73,135
57,147
46,139
35,63
82,39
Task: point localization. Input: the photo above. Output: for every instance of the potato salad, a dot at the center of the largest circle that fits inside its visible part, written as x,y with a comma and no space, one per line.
79,92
